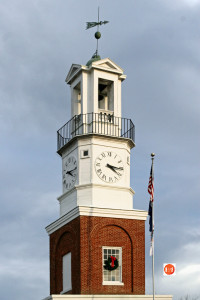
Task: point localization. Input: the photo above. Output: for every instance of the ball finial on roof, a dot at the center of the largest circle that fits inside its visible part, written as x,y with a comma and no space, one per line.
97,35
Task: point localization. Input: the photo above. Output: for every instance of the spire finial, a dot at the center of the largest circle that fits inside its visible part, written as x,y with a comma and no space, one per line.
97,33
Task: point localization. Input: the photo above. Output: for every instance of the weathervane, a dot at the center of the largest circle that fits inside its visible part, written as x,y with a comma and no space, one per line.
97,33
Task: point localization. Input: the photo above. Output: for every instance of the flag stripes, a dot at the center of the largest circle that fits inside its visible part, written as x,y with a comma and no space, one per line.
151,185
151,192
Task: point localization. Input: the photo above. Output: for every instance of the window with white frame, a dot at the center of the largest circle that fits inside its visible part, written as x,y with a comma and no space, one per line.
112,265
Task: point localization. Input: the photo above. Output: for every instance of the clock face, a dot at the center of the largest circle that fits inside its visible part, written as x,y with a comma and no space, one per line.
109,167
69,172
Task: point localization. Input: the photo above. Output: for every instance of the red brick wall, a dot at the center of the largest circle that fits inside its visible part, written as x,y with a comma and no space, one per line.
62,241
84,238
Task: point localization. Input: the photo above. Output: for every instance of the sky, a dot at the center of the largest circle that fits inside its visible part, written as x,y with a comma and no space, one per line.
157,43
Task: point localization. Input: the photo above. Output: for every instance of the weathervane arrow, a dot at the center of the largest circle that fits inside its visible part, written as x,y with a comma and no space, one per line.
93,24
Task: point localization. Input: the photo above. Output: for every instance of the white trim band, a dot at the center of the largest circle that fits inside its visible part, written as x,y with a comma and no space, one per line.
133,214
108,297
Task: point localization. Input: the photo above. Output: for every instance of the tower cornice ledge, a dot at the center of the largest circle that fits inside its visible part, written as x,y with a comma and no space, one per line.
105,64
93,185
108,297
129,141
133,214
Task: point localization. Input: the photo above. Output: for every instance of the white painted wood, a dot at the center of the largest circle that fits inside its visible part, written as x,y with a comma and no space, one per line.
108,297
96,212
105,64
89,189
88,78
93,195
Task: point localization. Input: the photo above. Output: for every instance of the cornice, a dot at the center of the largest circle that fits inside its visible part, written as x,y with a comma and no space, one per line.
133,214
92,185
101,136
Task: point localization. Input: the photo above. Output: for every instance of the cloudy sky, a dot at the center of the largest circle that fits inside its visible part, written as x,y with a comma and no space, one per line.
157,43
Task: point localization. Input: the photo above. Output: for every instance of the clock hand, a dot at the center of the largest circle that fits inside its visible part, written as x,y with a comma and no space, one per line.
111,167
115,168
70,172
118,168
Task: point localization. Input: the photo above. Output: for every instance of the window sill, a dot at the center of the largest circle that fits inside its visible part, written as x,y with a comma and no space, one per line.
65,291
112,283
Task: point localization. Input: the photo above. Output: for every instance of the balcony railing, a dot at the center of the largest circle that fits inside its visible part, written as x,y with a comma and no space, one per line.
97,123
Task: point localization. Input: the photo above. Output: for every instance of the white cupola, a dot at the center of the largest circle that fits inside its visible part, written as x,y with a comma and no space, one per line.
96,88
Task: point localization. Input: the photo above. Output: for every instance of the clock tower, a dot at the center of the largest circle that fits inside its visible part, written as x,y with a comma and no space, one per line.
97,245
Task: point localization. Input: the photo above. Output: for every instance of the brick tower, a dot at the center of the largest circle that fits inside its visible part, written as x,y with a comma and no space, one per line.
97,246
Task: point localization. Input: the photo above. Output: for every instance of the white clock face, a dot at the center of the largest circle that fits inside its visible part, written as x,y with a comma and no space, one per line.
109,167
69,172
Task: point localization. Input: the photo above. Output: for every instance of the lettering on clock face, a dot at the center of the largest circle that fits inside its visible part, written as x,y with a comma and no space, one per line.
109,166
69,172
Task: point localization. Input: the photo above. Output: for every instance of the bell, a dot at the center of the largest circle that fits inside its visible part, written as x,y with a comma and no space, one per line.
102,88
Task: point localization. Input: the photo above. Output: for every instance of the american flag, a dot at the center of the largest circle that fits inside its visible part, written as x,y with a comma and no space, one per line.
151,185
151,192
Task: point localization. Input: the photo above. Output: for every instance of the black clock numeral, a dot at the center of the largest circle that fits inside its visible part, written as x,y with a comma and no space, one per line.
97,164
119,161
103,154
104,177
109,153
99,171
110,179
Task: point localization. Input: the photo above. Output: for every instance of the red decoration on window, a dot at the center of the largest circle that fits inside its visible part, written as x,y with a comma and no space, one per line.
113,261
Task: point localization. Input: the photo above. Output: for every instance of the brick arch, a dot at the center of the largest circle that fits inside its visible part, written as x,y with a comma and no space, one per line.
98,226
123,229
111,234
64,246
66,240
69,230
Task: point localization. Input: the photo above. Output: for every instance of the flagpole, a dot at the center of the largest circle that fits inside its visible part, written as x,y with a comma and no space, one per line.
152,237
